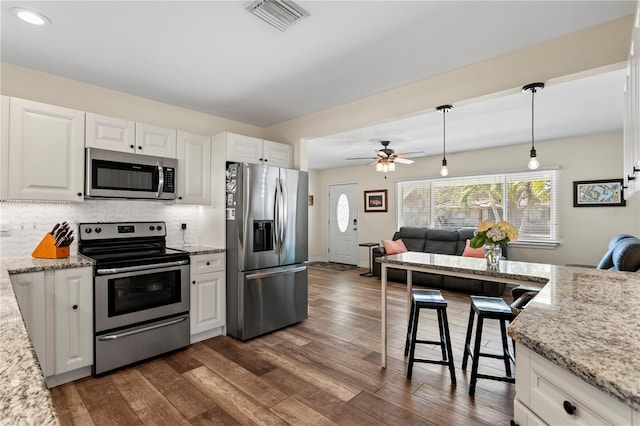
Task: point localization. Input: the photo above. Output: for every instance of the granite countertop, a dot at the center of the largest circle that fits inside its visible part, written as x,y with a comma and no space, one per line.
584,320
197,249
24,396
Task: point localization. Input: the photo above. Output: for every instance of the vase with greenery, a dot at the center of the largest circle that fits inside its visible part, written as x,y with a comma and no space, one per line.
493,236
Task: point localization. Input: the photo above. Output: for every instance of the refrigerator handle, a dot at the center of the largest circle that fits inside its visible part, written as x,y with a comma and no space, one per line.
276,216
284,215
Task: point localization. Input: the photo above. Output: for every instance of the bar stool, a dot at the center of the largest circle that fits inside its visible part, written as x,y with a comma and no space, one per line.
429,299
487,308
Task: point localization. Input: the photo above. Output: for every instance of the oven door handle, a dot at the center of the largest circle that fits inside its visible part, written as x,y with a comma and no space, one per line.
108,271
141,330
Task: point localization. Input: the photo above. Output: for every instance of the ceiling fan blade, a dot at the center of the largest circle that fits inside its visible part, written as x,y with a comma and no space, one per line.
382,154
362,158
403,161
405,154
372,163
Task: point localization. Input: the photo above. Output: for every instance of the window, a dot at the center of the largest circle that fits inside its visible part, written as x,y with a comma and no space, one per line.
527,200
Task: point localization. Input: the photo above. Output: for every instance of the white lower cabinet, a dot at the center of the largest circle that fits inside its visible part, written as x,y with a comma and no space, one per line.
208,296
548,394
57,307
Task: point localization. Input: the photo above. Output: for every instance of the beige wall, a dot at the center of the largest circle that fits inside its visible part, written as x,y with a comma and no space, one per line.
584,232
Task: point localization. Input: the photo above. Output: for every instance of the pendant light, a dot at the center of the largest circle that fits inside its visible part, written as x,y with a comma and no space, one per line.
444,109
533,87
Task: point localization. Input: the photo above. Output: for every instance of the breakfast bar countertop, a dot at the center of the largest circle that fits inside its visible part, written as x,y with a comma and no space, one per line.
24,396
584,320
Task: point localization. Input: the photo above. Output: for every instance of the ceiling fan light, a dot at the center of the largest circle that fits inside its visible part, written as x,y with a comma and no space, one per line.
378,166
392,167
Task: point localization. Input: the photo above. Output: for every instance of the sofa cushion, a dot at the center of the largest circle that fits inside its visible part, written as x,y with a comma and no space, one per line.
464,234
412,237
393,247
472,252
441,241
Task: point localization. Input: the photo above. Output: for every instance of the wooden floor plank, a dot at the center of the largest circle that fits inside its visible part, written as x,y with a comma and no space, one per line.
238,405
242,379
104,401
71,410
148,402
330,384
183,395
295,412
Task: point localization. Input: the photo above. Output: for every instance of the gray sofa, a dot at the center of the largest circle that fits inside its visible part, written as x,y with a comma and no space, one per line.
441,241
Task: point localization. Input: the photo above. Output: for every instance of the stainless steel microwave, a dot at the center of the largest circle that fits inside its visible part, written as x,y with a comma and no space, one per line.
115,174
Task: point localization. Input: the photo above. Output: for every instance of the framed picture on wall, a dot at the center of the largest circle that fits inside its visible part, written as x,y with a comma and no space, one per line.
598,193
375,201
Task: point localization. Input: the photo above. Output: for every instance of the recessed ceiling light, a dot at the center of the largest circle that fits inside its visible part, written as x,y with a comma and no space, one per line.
30,16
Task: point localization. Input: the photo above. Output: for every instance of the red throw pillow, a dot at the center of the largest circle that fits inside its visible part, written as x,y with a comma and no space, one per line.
394,247
472,252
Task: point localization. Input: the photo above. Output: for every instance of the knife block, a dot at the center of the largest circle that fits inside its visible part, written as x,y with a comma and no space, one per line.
47,249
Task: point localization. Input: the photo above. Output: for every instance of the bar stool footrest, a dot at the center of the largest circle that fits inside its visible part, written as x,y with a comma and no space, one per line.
431,361
498,378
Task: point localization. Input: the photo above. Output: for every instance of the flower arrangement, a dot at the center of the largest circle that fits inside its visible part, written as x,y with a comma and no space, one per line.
490,232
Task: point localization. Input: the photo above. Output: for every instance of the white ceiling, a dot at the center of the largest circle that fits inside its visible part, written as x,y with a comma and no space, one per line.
217,58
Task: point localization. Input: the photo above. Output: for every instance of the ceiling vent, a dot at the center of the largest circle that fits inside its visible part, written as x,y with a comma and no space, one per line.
280,14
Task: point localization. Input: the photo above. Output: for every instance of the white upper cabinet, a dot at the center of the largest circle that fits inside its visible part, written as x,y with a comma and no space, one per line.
117,134
194,168
46,152
111,133
154,140
247,149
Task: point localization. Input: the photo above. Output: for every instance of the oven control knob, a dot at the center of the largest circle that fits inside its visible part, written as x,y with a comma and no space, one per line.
98,230
87,230
151,228
159,228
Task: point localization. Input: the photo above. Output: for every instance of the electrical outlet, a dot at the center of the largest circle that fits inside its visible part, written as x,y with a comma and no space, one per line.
5,229
183,226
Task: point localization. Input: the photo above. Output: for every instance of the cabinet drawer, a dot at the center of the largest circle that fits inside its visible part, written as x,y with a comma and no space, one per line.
205,263
551,388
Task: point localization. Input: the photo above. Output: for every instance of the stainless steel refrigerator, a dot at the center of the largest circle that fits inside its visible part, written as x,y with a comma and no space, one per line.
267,230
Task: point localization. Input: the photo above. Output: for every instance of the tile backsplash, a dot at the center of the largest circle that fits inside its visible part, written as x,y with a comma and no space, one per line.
24,224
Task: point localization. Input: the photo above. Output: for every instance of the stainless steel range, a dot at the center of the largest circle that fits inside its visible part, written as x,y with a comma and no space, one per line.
141,292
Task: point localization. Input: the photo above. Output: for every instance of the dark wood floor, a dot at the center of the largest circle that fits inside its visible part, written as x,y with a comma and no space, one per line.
325,370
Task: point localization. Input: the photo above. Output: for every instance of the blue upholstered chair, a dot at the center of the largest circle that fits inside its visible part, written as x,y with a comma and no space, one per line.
623,254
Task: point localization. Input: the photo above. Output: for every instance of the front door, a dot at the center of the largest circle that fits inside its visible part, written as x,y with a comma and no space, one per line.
343,223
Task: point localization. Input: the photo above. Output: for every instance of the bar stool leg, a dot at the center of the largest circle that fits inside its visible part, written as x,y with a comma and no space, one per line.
441,327
414,335
409,327
505,349
452,369
476,356
467,340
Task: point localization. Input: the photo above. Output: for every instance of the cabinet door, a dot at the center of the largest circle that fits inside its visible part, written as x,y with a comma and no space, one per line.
244,149
207,301
73,290
277,154
154,140
46,152
194,167
111,133
29,289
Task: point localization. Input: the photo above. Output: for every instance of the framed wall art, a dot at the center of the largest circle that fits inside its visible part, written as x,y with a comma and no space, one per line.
375,201
598,193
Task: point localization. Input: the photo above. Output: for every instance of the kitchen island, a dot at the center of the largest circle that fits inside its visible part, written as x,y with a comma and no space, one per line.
23,393
585,321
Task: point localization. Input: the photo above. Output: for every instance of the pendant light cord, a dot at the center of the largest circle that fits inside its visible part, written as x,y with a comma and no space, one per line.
533,94
444,134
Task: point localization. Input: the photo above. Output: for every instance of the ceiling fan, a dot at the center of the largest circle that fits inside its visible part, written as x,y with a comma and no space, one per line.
386,158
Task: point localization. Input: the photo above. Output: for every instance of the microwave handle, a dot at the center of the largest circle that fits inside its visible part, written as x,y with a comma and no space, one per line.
160,179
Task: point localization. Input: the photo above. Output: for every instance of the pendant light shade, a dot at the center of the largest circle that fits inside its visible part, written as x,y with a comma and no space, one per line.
444,109
533,88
